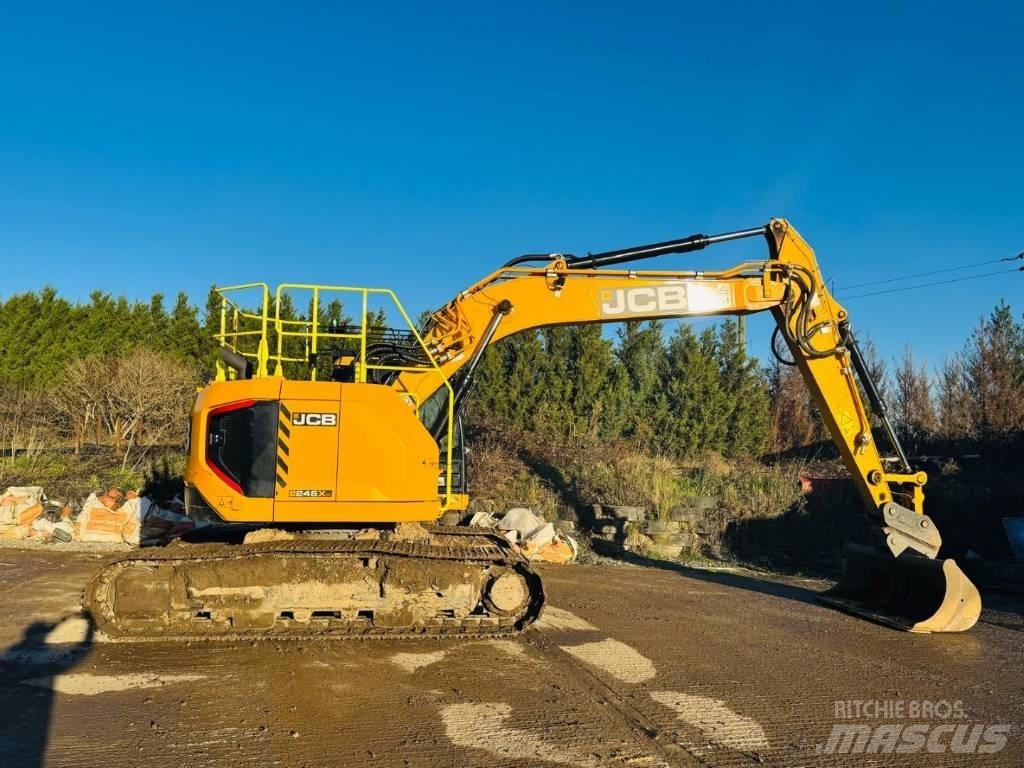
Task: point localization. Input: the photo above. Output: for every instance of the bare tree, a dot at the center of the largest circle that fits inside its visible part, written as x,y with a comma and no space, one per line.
133,403
149,401
877,368
24,426
76,399
913,408
794,420
953,400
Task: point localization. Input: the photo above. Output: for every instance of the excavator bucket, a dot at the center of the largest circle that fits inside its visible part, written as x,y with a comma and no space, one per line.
909,592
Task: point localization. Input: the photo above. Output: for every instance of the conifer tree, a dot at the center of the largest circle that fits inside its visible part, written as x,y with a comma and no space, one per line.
526,366
553,409
490,398
642,354
696,409
591,364
994,365
187,340
745,392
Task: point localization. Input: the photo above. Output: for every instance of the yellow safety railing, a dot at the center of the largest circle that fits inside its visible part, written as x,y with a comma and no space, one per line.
246,330
239,326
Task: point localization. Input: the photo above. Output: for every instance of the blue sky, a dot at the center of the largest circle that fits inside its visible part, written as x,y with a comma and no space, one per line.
149,146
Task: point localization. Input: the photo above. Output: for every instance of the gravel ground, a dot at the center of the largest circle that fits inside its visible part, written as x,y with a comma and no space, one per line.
631,666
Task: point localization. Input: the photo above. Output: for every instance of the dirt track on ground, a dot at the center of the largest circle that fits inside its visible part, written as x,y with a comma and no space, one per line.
631,667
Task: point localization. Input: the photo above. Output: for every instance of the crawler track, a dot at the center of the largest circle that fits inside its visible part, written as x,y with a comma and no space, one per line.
452,583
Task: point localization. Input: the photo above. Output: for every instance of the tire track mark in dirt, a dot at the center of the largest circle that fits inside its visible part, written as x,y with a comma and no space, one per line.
713,718
484,726
615,658
505,730
410,662
566,626
84,684
594,660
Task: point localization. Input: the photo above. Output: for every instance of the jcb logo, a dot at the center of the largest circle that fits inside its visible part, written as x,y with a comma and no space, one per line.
315,419
643,301
692,297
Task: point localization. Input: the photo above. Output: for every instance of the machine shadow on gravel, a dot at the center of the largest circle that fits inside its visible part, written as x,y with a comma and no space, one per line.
28,670
723,578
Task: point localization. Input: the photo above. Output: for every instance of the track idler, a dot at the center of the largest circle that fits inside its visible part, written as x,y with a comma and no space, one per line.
909,592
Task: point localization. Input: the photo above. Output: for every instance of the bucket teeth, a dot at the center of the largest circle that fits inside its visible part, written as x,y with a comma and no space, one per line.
909,592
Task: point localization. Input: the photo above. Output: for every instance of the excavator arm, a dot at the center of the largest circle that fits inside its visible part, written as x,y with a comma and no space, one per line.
902,586
814,326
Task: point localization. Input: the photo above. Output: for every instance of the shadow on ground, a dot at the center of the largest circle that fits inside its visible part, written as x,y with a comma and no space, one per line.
27,673
722,578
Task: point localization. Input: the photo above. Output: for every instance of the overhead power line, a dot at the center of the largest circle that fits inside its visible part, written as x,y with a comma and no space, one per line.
936,282
1018,257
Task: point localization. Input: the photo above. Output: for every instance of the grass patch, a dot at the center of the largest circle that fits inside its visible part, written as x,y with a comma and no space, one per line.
73,478
521,470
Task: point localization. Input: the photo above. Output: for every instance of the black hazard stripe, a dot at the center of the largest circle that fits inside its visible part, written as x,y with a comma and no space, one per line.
284,433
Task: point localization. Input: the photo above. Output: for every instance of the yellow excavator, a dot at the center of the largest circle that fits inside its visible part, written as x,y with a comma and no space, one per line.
323,489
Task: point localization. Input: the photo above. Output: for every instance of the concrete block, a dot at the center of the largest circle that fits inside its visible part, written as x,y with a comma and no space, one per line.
690,515
661,526
704,502
632,514
665,550
451,518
